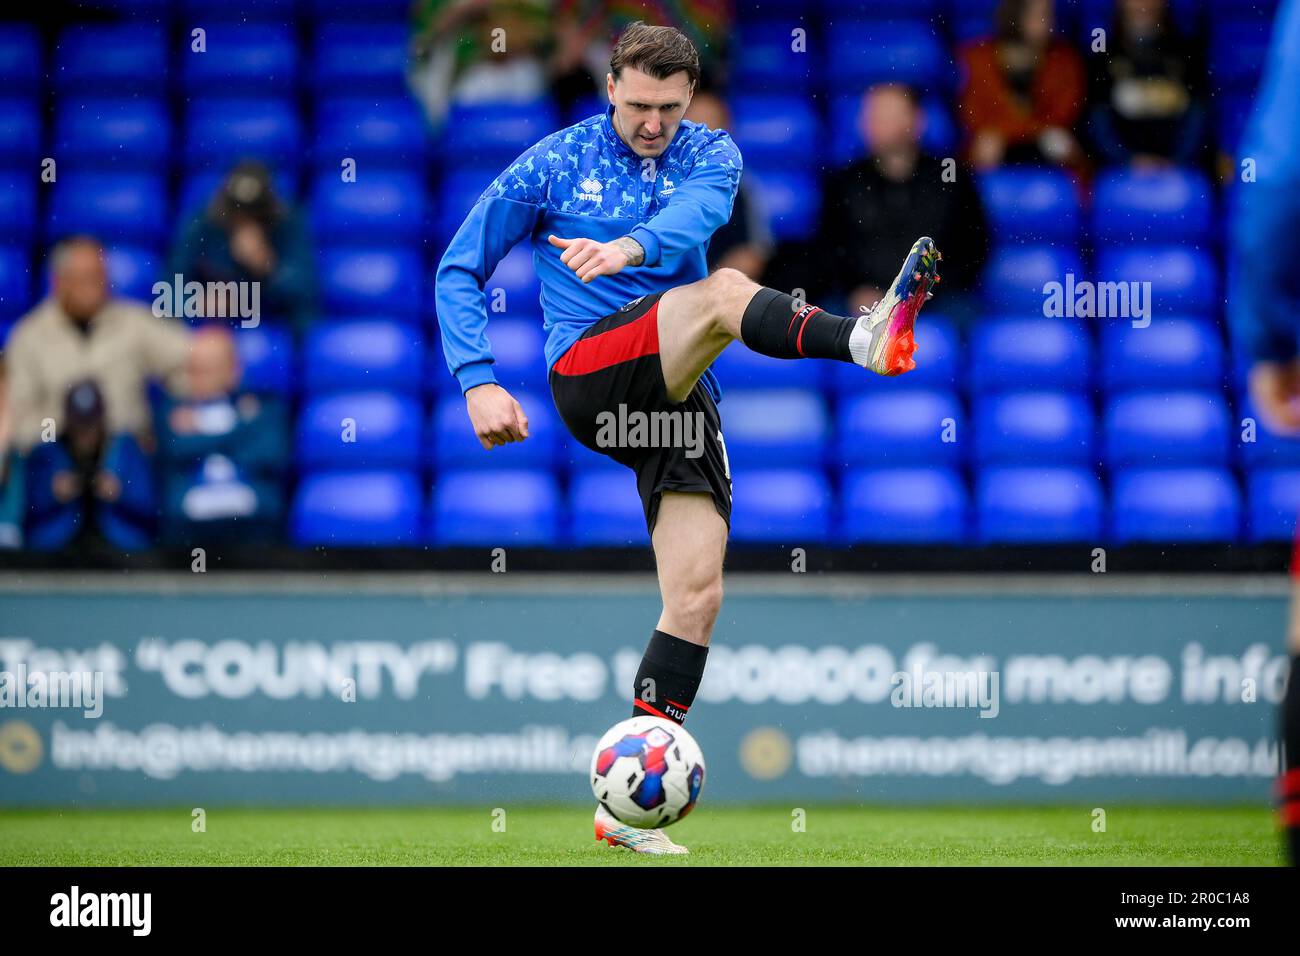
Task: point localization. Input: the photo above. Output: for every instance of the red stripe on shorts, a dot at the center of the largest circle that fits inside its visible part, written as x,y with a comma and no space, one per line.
637,338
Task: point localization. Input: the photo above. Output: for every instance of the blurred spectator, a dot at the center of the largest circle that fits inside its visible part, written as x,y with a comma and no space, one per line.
478,51
223,451
81,332
745,242
556,48
874,208
12,501
90,488
1147,91
249,234
1023,91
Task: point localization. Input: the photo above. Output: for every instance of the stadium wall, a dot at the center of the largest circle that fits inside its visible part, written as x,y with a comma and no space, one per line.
410,689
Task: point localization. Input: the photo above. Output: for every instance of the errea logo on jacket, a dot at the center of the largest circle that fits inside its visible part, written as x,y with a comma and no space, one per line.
590,189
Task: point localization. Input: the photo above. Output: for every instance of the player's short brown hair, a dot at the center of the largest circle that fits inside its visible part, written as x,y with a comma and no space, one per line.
657,51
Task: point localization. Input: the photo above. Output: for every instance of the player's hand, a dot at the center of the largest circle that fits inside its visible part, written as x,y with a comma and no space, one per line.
589,258
1275,387
497,418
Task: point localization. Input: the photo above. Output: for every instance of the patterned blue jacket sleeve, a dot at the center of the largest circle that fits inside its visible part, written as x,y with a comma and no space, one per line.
1263,289
699,206
506,212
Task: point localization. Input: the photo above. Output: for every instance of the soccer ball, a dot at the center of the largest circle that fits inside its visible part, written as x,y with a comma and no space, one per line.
647,772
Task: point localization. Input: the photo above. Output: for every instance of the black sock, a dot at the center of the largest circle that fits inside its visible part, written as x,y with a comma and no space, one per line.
1289,788
668,677
779,325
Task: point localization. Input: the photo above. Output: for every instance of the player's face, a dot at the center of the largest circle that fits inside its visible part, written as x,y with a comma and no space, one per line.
647,111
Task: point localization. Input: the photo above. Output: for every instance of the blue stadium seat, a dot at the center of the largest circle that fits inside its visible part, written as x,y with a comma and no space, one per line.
378,132
1171,352
362,354
253,59
792,201
457,193
17,207
781,506
1273,498
899,427
1027,505
20,58
1034,428
1152,207
491,135
1014,353
517,350
514,287
117,207
1166,428
1181,505
267,356
114,134
384,431
219,131
605,510
1026,203
1015,275
357,509
775,428
351,11
350,57
1238,50
971,19
939,134
1268,449
496,509
904,506
779,131
883,9
766,61
20,133
860,53
1183,281
15,282
132,272
103,59
382,207
449,441
740,367
367,281
246,10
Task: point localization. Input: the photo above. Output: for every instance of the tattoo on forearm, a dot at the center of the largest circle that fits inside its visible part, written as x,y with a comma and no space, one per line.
632,249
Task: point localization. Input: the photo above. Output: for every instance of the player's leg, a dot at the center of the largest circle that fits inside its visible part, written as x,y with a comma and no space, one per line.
690,540
697,321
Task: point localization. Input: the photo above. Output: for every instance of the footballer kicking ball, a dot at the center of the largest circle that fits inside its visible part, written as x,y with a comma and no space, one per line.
647,772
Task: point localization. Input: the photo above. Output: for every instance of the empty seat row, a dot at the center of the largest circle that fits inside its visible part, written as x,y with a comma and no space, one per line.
910,506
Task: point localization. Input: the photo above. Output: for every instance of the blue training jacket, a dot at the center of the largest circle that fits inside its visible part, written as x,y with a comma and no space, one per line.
1264,301
585,182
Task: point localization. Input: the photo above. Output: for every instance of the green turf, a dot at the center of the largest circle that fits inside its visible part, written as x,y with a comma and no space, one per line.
550,836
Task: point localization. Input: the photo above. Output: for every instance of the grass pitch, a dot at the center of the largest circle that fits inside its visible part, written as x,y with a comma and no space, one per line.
723,836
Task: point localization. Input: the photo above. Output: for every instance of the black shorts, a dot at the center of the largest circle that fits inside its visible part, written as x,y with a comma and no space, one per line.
609,390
